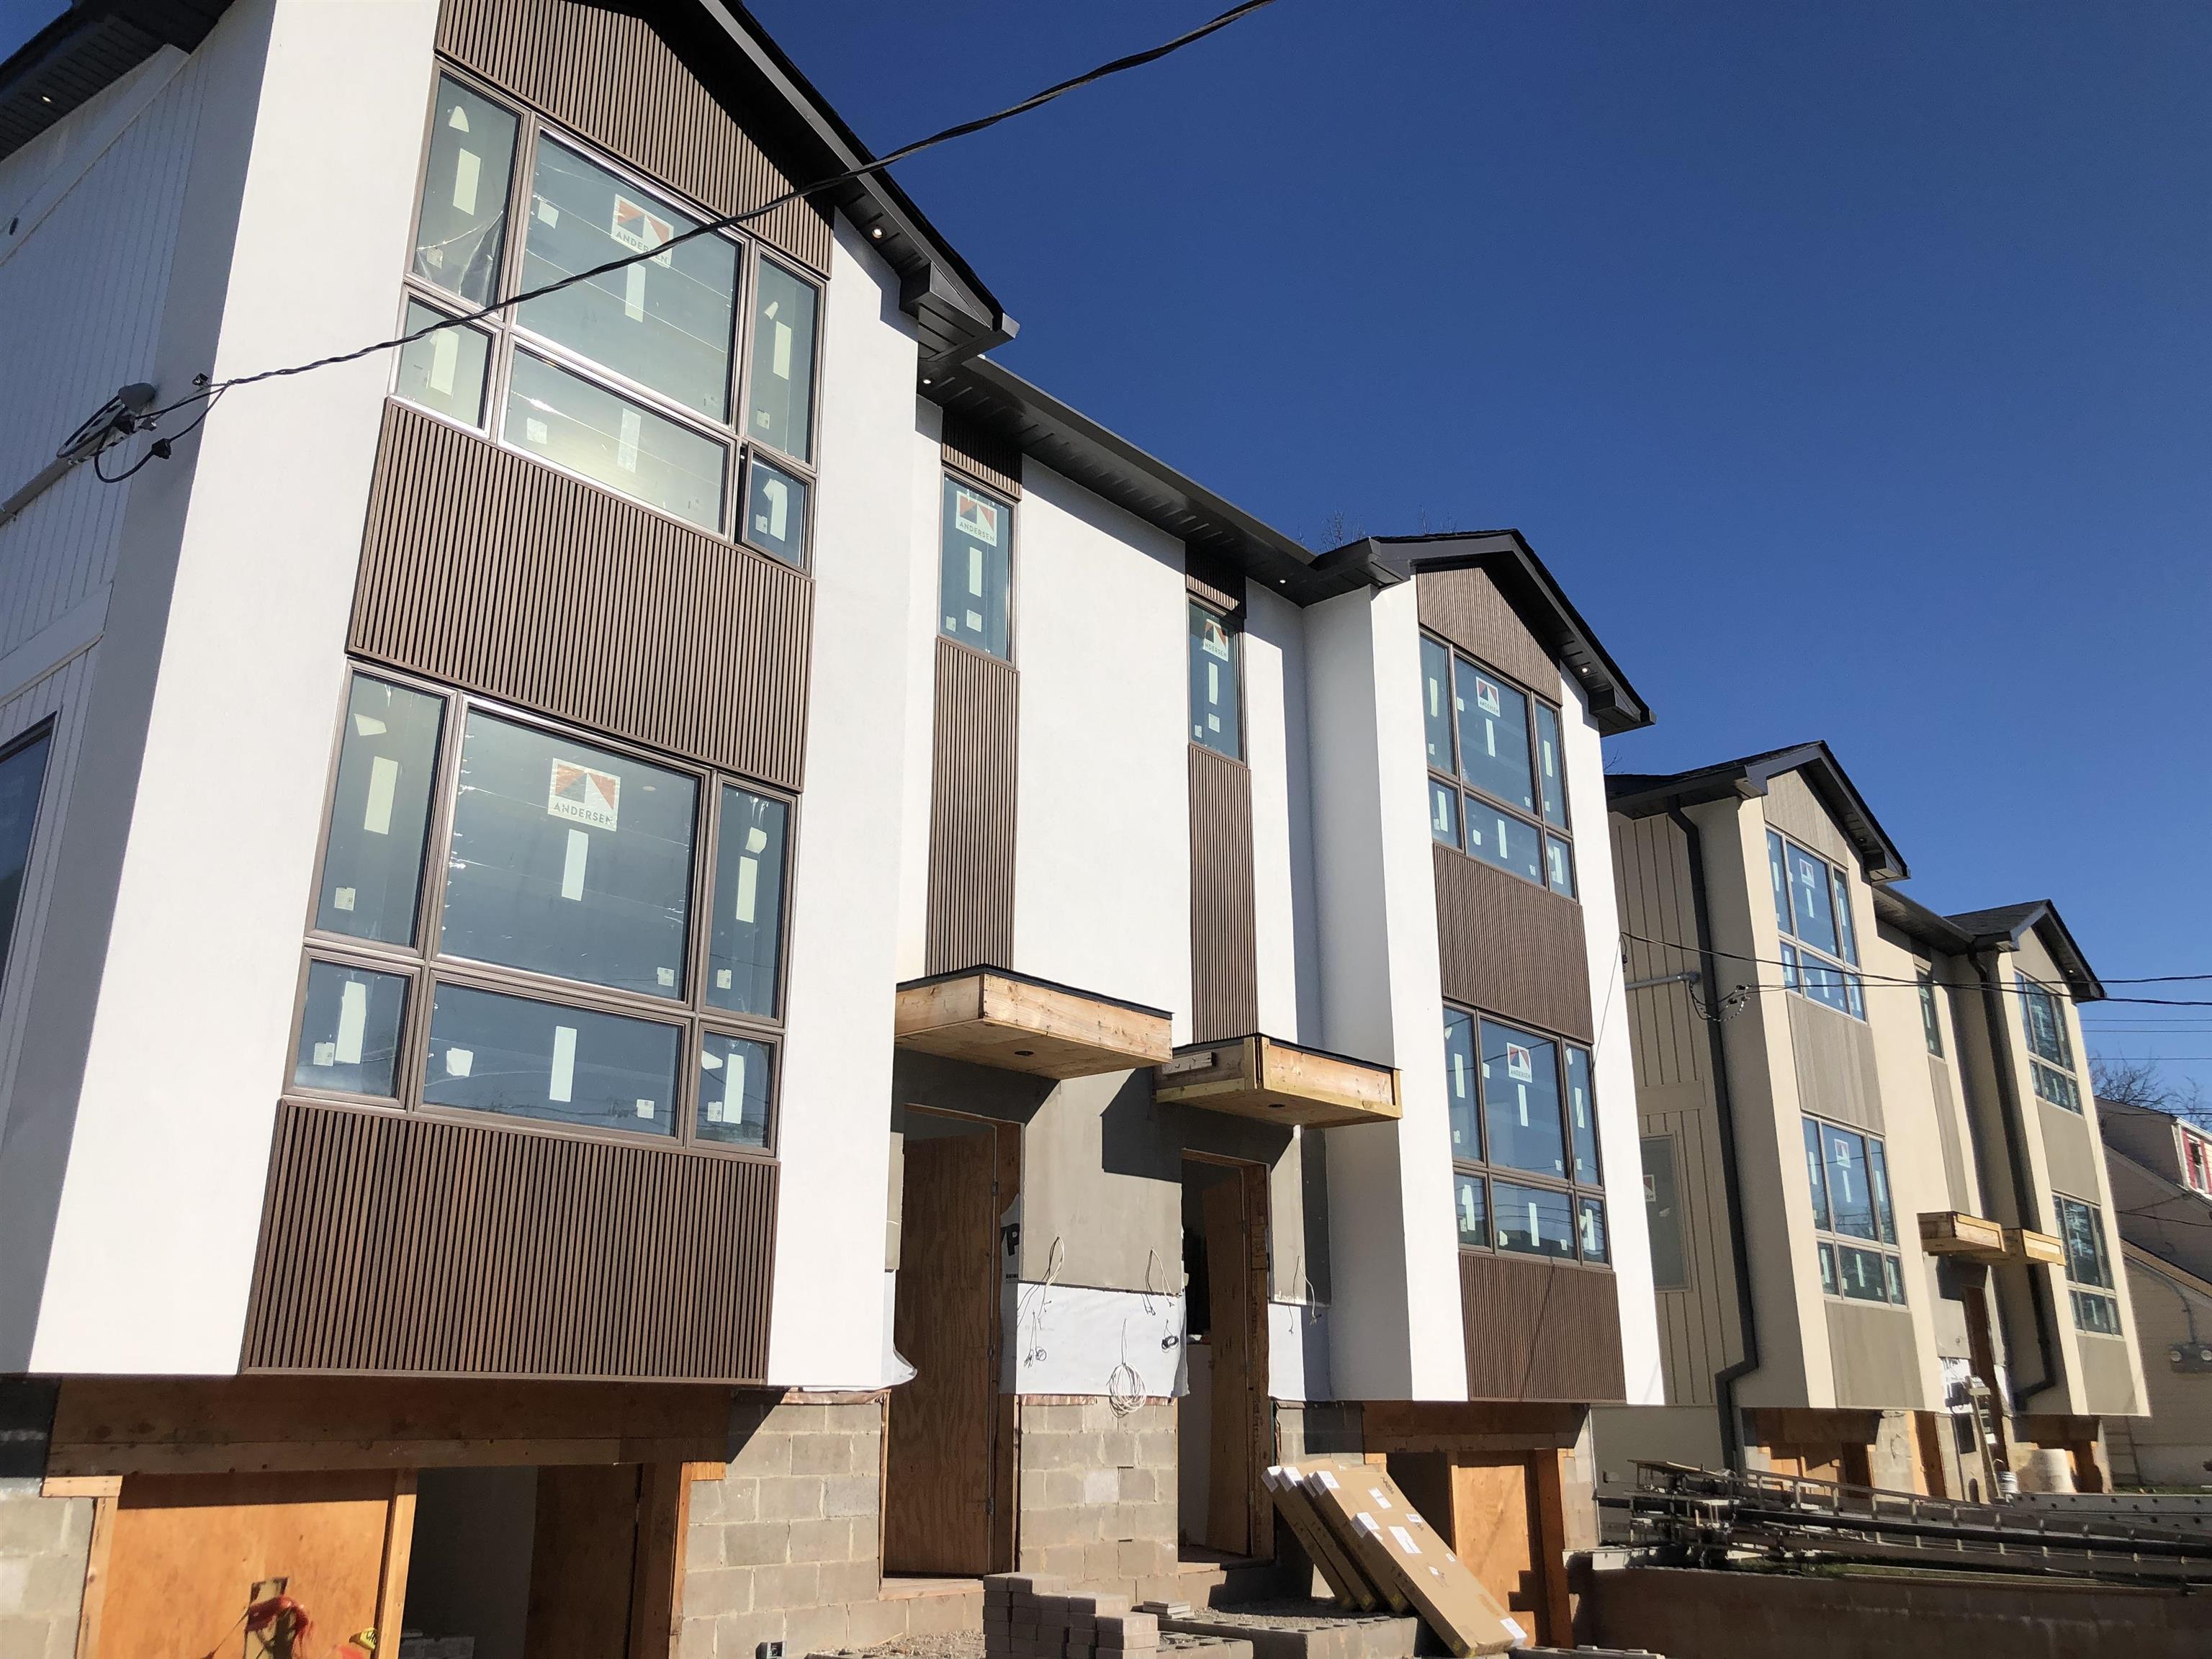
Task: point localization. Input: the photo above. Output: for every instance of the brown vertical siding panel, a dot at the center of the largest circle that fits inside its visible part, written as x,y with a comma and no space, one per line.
971,812
1465,607
1540,1330
483,569
398,1244
1509,947
983,456
1214,579
1224,958
617,79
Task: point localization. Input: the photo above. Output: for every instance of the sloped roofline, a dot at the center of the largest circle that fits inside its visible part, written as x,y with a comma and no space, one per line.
1999,929
1640,795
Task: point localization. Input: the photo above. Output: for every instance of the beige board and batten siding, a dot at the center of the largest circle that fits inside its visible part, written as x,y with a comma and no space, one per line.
1791,806
1223,953
483,569
970,918
1671,1041
1875,1359
614,77
1694,1319
1834,1058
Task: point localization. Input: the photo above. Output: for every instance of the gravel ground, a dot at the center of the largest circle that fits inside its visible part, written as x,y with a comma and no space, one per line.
1291,1613
960,1644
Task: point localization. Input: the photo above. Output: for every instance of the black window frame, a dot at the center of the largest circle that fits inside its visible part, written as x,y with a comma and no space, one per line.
1481,1171
2098,1286
1797,954
425,967
506,335
1828,1239
1233,627
1461,787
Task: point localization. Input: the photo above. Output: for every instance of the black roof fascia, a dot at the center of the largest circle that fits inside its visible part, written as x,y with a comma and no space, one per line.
1108,466
89,47
2002,928
959,316
1916,921
1639,794
1532,592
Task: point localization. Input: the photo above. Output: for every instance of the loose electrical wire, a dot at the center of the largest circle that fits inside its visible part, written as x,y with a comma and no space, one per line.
214,389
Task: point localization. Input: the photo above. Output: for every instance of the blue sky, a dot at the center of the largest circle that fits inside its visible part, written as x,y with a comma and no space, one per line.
1851,365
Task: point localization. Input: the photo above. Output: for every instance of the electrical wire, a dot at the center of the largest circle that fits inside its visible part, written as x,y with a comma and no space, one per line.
211,390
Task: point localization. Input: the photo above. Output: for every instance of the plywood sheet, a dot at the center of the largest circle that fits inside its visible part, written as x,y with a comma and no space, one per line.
1392,1541
1229,1284
1493,1529
583,1556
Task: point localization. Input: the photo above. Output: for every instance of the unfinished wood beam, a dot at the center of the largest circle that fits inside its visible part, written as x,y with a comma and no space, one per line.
1279,1082
990,1018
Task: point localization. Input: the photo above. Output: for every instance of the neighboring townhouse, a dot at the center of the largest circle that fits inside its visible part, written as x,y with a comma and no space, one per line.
2161,1173
1880,1226
683,966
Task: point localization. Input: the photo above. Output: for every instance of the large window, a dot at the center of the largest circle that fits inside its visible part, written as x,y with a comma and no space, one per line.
637,380
2088,1266
1931,1022
1524,1141
23,772
512,918
1216,714
2052,1066
1819,943
976,571
1497,783
1848,1174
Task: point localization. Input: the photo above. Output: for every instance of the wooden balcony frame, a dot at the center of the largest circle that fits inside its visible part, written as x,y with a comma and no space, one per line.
1260,1077
989,1016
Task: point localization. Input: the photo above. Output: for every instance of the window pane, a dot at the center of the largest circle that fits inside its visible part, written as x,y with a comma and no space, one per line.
1860,1275
1854,996
568,860
1778,873
1520,1101
1825,984
1582,1116
350,1030
748,933
1791,979
2046,1030
1827,1253
613,441
2055,1086
1435,707
1473,1214
379,812
20,776
783,361
444,372
1662,1213
2084,1232
1851,1199
1814,1176
775,511
1878,1183
1504,841
463,224
978,533
1810,901
1931,1024
1549,783
733,1091
1213,667
1444,813
502,1054
663,322
1589,1218
1847,940
1493,736
1459,1085
1534,1221
2099,1314
1559,867
1893,1278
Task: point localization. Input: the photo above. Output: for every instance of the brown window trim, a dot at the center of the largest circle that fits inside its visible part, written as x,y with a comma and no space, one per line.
1567,1186
1462,788
424,968
506,335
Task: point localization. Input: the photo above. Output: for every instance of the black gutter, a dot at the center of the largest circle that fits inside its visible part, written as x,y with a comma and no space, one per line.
1727,1377
2023,1185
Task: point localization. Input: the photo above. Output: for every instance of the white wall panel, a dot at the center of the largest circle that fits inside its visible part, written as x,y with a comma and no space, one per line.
1282,828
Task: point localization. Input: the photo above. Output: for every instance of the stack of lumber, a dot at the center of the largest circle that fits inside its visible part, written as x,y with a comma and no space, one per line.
1374,1550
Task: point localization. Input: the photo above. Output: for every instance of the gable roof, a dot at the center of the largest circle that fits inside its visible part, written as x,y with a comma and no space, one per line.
2003,927
96,42
1640,795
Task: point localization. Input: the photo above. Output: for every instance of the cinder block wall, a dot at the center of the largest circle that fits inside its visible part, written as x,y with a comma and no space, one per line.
43,1542
1098,1493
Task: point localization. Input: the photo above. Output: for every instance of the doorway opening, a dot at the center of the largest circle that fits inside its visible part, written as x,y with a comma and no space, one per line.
948,1498
1224,1437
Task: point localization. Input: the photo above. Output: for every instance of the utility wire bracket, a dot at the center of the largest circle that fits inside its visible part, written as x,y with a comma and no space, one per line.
117,420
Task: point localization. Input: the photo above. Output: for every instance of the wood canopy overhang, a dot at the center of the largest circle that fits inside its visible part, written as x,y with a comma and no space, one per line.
1280,1083
989,1016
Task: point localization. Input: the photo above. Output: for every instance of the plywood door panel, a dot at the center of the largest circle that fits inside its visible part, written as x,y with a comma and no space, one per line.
184,1552
938,1475
1229,1286
1493,1530
582,1562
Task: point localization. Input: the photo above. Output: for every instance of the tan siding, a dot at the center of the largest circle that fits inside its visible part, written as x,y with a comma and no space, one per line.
1651,858
971,812
402,1244
2070,1151
1955,1184
1509,947
481,568
1877,1362
1465,607
1835,1063
612,77
1224,963
1792,808
1694,1321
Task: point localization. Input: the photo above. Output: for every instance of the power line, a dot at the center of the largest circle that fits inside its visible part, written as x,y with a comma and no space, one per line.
210,390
